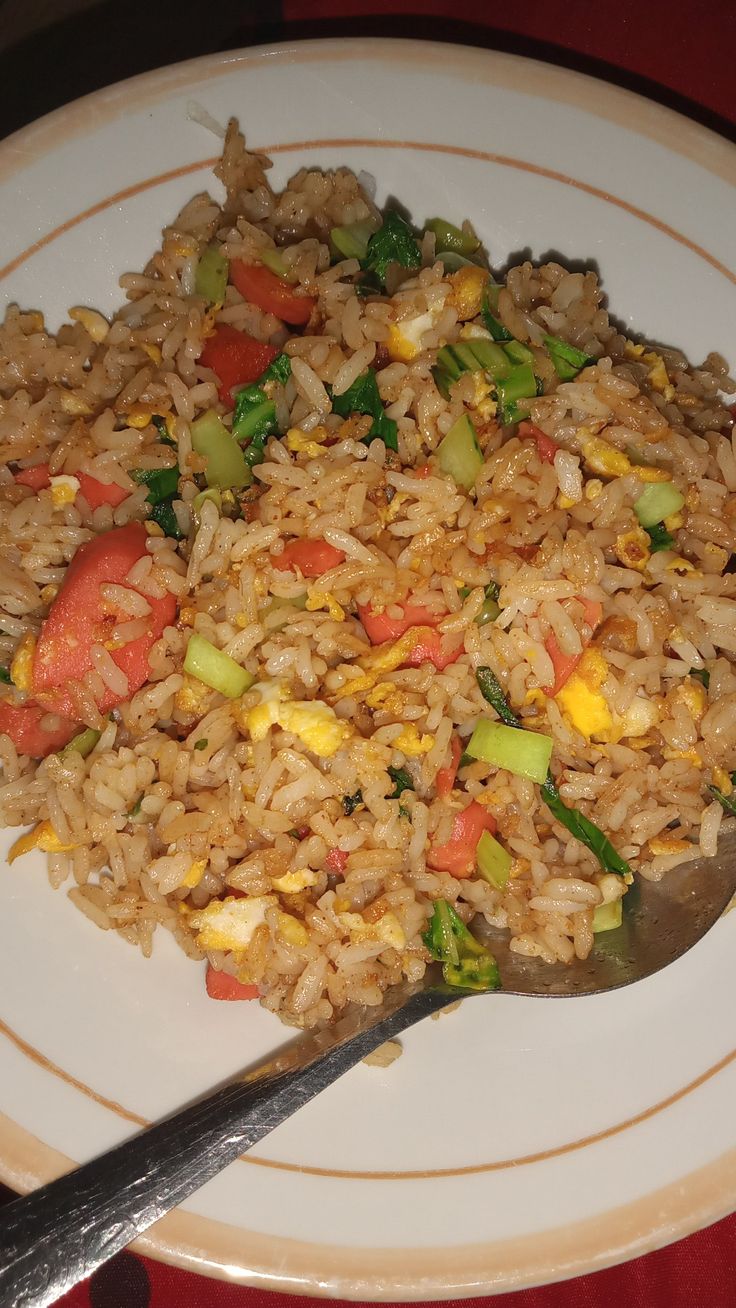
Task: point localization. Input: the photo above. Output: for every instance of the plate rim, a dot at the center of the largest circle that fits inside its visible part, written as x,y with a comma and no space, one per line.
214,1248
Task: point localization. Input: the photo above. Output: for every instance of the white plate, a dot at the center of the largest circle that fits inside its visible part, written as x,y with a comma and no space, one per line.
517,1141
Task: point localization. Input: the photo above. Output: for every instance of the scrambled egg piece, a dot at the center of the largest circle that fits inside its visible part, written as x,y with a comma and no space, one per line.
581,700
21,669
387,929
93,322
382,660
658,375
722,781
315,723
694,697
195,873
292,882
302,442
230,923
405,338
689,755
386,697
293,931
42,837
483,401
74,405
193,696
322,599
608,461
681,566
63,490
632,549
411,743
467,291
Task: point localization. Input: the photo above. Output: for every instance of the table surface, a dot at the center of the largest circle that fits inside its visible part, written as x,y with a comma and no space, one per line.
667,49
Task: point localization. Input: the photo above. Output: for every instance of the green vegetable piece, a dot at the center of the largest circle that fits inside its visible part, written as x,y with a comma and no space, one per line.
492,691
567,360
394,242
5,676
273,260
585,831
278,370
202,743
216,669
446,359
449,237
519,385
451,261
442,381
659,537
607,917
658,500
402,781
351,242
254,415
466,963
363,397
490,322
491,607
82,744
727,802
162,483
459,455
226,466
163,514
135,810
518,353
210,279
163,431
523,753
351,802
702,675
494,862
491,357
465,356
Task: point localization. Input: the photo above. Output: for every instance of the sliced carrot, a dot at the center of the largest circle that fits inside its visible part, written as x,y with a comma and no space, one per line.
29,729
546,447
236,358
429,649
79,618
259,286
457,855
221,985
311,557
95,492
445,779
565,664
336,861
380,627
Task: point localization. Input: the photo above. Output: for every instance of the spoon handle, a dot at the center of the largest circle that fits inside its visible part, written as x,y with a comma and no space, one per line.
58,1235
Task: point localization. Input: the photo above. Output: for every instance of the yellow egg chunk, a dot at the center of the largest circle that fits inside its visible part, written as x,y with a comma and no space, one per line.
302,442
195,873
467,291
411,743
404,341
42,837
293,931
230,923
64,490
322,599
580,698
387,929
21,668
292,882
316,724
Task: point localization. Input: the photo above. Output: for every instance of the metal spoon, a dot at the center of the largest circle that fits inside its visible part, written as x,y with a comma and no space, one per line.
59,1234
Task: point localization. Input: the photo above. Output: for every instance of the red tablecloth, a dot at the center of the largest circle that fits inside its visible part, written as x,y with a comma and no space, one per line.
677,52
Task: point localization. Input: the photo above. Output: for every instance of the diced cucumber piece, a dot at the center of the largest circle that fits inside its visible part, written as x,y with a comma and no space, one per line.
351,242
657,501
524,753
459,453
494,862
210,278
226,466
449,237
607,917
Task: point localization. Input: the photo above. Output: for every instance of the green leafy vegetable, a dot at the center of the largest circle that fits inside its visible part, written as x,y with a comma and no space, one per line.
162,483
466,963
202,743
5,676
490,322
214,668
163,514
351,802
702,675
402,781
254,415
278,370
163,431
394,242
728,802
584,830
363,397
567,360
135,810
210,279
570,818
659,537
82,744
519,385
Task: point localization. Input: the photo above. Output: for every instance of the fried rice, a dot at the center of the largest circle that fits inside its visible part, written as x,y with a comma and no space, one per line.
299,831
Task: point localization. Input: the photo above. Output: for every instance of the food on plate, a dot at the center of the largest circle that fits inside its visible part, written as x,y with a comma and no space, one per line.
353,597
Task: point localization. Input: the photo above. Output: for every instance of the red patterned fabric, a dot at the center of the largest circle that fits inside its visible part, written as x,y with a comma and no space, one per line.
687,51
